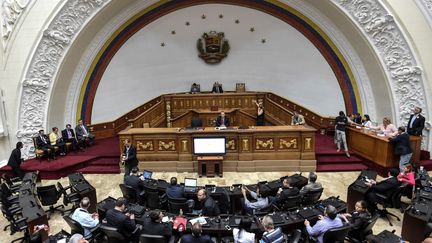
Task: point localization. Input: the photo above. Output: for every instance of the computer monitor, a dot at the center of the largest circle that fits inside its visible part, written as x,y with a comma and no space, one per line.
190,182
147,174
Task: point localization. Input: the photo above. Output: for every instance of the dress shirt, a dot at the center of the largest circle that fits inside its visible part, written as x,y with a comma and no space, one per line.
85,219
69,134
367,124
389,131
261,202
243,236
323,226
84,130
274,236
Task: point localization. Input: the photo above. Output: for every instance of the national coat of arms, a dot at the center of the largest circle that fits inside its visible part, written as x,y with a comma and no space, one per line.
213,47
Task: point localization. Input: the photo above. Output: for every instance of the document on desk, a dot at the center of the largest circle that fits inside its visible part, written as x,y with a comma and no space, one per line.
200,220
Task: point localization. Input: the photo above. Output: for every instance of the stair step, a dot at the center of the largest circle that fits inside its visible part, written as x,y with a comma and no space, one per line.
105,161
341,167
340,158
100,170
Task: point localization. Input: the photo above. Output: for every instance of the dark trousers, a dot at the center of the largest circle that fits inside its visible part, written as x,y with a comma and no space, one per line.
17,172
49,151
74,143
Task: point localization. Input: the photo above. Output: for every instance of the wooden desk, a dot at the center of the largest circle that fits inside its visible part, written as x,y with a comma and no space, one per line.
378,149
210,162
266,148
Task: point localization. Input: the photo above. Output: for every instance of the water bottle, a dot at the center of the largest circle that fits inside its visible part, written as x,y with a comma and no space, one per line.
181,212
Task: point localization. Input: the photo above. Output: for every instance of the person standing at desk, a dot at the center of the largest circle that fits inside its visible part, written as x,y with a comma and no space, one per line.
416,123
402,147
129,158
341,122
222,120
15,160
217,88
260,113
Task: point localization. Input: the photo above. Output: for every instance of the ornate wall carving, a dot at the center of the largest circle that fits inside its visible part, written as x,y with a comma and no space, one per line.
388,39
11,12
51,49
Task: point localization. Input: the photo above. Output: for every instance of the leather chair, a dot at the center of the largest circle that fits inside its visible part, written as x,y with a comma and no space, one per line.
76,228
312,197
10,213
112,234
152,200
292,202
295,236
264,211
391,201
71,197
336,235
13,183
20,225
152,238
365,230
131,195
49,196
174,205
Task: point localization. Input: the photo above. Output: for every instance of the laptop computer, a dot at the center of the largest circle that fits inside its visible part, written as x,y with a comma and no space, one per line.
234,221
147,174
190,185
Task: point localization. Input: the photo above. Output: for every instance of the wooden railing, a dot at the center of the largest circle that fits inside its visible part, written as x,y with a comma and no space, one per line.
278,111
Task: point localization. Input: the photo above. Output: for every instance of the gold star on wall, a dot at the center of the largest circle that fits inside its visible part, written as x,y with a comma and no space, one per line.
203,16
237,21
163,44
252,29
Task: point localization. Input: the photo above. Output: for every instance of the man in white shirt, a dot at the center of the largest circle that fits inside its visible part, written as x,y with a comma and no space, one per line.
87,220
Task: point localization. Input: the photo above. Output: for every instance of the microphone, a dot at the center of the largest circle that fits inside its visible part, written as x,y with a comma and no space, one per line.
32,204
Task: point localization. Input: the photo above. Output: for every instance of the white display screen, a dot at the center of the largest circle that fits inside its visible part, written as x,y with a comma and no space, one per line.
209,145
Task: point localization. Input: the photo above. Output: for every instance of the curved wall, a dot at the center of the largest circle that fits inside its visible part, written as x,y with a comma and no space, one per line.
287,63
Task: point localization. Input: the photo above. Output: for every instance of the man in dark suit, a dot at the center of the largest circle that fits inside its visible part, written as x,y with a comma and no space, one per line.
402,147
385,187
129,158
42,142
284,192
209,207
15,160
174,190
124,222
134,180
196,236
416,123
222,120
153,225
68,136
83,134
196,122
217,88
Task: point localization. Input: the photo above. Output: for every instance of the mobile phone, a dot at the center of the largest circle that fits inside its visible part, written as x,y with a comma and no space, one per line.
227,227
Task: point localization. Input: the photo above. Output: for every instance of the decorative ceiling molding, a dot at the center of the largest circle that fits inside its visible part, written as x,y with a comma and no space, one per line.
388,39
11,12
49,53
425,7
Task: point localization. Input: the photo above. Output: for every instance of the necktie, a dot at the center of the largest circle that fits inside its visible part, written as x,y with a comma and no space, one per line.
412,121
222,121
43,139
84,129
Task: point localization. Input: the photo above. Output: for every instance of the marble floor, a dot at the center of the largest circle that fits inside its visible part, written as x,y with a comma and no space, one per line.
335,184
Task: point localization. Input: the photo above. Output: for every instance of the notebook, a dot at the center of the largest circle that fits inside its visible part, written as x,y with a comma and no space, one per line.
147,174
190,185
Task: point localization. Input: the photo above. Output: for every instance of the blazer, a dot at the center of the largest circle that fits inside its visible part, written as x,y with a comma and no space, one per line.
287,192
15,158
196,122
417,126
387,186
153,228
401,144
40,143
209,207
65,134
217,89
80,130
132,160
119,220
219,121
135,182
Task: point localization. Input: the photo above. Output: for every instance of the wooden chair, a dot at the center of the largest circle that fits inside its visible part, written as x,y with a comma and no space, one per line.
38,152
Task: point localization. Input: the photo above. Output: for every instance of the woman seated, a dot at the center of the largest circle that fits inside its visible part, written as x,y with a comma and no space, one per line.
407,175
387,128
358,219
242,234
366,122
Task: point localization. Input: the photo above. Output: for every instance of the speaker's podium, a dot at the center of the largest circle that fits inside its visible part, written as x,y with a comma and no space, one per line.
211,165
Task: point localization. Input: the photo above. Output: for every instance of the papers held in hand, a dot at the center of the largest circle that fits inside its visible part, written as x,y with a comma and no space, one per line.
200,220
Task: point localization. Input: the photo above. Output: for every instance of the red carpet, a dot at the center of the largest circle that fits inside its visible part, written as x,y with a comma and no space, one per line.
102,157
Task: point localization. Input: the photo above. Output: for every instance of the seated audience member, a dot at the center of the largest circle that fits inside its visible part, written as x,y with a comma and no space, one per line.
284,192
271,235
42,142
195,88
134,180
243,234
297,119
196,236
153,225
222,120
83,134
366,122
386,187
387,128
174,190
357,118
217,88
196,122
260,203
312,185
407,175
87,220
36,236
209,207
68,136
77,238
55,140
326,222
402,147
124,222
357,219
